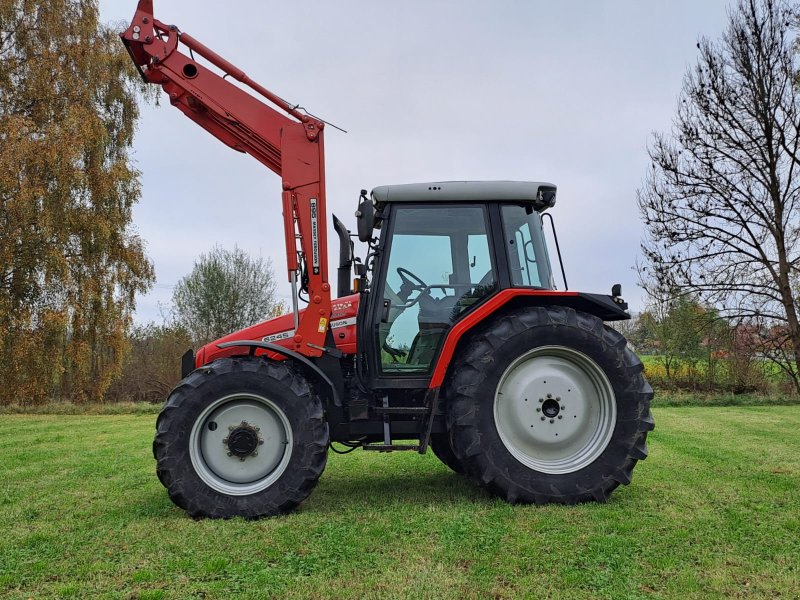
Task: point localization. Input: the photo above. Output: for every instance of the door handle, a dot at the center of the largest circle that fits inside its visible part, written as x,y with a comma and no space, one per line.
385,313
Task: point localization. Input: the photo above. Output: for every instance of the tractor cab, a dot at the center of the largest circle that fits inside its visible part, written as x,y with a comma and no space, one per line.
443,248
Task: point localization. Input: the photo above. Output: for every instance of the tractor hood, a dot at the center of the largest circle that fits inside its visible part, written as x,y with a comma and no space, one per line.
280,330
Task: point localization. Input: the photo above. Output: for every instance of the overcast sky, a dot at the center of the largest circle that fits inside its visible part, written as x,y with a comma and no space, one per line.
567,92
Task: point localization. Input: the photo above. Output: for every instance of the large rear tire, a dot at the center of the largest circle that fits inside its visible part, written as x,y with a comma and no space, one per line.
440,444
241,437
547,404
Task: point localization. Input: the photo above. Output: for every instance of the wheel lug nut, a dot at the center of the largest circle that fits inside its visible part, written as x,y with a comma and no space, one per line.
255,452
552,421
541,400
225,441
563,407
260,442
231,428
560,417
538,410
542,418
549,395
230,453
241,459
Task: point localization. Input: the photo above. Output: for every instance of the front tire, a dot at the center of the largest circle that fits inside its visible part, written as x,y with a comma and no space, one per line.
241,437
549,405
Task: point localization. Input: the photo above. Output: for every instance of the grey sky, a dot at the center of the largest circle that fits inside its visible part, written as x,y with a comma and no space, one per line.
567,92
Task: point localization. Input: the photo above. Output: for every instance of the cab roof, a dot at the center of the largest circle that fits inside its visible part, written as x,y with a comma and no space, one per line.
541,193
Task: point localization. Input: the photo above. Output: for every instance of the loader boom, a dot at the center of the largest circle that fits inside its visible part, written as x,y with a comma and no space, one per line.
291,145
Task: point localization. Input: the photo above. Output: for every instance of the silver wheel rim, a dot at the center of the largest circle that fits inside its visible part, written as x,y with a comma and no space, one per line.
555,410
230,473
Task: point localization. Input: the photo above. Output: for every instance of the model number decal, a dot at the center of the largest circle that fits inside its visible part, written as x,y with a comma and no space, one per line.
283,335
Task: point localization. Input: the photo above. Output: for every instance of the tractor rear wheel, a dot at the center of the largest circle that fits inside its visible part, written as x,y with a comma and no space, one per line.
549,405
241,437
443,449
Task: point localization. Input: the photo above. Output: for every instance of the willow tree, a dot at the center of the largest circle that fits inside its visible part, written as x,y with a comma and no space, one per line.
70,262
721,204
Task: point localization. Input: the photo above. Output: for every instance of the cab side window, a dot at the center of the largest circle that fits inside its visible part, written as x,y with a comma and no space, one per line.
525,246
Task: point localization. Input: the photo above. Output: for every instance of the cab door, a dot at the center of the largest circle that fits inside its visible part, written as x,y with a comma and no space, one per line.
436,264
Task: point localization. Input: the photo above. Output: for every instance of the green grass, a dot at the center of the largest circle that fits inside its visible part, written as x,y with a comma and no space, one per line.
714,512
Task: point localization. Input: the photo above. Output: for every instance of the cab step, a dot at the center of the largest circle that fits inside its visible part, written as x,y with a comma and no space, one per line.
391,447
402,410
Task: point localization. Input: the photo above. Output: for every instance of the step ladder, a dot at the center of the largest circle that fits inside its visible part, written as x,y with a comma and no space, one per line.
428,411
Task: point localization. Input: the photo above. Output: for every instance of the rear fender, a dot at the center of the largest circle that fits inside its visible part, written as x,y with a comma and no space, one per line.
599,305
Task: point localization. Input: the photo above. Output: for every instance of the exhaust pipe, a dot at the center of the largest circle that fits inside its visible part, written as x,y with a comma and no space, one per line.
344,272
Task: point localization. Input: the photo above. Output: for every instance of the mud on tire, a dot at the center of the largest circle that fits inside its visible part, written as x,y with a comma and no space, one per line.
473,384
287,392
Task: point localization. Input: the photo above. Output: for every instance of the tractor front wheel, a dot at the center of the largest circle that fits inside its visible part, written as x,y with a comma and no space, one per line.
241,437
549,405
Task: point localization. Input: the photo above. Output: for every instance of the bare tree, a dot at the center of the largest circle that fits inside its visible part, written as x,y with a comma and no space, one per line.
721,202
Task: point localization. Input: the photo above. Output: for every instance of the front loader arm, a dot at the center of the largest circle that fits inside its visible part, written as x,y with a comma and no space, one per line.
291,146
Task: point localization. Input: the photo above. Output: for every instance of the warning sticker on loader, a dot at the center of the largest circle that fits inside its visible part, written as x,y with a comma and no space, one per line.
323,325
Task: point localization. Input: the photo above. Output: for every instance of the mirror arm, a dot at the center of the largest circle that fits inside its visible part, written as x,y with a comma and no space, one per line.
558,248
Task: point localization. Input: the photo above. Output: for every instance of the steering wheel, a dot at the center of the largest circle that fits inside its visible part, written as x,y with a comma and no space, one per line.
414,281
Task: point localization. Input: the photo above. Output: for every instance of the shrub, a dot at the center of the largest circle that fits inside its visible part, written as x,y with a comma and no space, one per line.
152,367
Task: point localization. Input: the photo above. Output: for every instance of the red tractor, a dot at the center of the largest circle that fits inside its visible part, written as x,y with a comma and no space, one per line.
451,336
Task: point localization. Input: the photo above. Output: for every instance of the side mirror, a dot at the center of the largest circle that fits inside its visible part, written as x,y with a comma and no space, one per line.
365,217
616,290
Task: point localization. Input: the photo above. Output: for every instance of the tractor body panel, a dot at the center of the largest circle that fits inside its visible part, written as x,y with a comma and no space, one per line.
280,330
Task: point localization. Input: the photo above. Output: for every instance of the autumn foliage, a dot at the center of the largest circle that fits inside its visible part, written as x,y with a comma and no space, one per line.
70,262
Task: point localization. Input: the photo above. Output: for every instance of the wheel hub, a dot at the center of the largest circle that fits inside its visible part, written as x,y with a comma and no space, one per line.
240,444
551,408
243,440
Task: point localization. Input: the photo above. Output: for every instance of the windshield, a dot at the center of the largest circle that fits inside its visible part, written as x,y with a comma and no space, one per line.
527,251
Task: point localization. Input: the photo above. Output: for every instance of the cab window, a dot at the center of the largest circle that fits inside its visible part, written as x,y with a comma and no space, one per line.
439,266
528,261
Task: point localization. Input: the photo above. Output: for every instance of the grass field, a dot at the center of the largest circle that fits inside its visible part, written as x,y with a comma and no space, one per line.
714,512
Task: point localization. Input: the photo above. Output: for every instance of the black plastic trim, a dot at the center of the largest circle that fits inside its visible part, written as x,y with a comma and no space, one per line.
605,307
599,305
187,363
499,246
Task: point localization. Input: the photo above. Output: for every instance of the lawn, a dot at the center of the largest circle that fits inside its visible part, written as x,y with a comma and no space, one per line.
714,512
